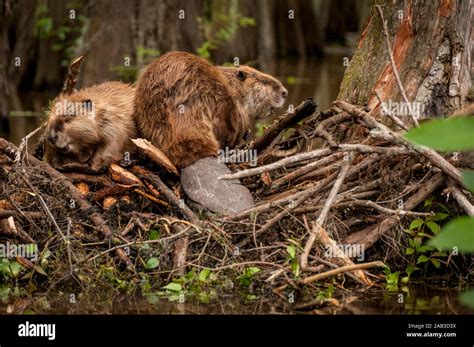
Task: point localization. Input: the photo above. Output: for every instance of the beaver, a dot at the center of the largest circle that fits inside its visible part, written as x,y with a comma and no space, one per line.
91,128
190,108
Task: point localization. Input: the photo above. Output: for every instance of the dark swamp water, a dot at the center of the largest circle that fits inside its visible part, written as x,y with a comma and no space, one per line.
319,79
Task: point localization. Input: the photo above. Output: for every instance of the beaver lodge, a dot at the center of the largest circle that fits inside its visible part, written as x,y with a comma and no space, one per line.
135,221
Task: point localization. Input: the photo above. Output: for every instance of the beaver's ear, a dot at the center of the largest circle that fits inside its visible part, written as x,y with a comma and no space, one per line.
241,75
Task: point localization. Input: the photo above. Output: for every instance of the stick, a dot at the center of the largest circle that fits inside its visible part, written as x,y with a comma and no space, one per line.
314,154
461,198
167,193
305,169
394,67
317,226
339,270
85,207
368,236
156,155
304,110
397,138
72,73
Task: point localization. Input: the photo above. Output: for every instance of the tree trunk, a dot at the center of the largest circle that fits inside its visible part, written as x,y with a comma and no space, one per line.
430,44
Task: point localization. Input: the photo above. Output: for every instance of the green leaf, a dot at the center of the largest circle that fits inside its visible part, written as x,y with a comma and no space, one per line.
439,254
416,223
438,216
411,269
291,249
152,263
424,249
424,235
412,243
434,227
153,234
435,262
452,134
468,180
173,287
204,274
295,267
422,259
409,251
458,233
250,271
467,298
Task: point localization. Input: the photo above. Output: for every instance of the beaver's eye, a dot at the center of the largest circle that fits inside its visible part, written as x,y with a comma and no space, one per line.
241,75
68,118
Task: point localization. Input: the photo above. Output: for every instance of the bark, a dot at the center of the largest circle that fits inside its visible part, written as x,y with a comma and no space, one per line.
430,44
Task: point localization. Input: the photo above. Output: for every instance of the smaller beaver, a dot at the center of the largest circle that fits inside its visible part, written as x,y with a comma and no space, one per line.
91,128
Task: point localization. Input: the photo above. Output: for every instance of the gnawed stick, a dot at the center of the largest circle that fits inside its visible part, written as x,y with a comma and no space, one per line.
323,275
315,154
156,155
71,77
304,110
434,157
462,200
180,249
318,232
83,205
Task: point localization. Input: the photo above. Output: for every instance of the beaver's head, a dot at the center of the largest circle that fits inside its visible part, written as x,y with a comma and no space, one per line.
257,93
71,127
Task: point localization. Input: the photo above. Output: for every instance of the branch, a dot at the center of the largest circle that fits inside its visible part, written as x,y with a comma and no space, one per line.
304,110
71,78
315,154
394,67
339,270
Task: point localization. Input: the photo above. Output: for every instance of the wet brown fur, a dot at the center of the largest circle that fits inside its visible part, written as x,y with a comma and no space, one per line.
93,139
190,108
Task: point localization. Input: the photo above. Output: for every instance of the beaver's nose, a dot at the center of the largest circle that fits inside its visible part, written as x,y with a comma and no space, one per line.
284,93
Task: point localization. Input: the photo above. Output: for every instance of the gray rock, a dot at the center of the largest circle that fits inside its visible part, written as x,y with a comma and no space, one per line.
201,185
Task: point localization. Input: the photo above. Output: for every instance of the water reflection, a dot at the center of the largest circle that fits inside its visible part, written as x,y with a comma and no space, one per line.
413,300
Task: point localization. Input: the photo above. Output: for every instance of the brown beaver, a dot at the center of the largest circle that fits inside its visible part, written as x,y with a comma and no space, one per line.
190,108
91,128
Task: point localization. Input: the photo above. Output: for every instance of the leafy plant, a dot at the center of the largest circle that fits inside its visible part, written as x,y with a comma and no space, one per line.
422,230
247,276
220,29
191,284
66,36
453,134
292,259
391,278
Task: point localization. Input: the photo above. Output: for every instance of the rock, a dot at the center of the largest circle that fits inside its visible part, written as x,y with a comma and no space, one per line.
200,183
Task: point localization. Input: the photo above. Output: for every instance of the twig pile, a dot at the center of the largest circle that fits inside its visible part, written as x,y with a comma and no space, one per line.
317,184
